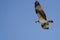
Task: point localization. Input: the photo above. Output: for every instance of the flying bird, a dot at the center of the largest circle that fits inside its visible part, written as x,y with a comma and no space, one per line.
42,16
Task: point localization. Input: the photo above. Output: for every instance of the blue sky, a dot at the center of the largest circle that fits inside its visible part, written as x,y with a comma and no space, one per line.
17,20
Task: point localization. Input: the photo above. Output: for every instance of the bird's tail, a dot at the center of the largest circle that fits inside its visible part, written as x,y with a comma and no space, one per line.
50,21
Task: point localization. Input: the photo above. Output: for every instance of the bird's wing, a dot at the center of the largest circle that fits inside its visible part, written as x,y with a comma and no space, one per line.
39,11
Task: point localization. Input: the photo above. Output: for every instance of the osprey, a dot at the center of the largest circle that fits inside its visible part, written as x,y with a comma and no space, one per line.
42,16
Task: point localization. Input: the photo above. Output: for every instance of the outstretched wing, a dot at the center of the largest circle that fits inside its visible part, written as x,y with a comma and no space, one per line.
39,11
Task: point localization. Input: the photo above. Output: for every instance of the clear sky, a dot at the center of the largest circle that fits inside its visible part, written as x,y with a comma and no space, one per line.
17,20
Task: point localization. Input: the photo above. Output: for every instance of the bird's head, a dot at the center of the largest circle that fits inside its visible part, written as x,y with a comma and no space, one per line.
45,26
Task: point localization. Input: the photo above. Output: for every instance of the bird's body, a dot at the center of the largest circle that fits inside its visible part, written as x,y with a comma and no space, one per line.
41,16
42,21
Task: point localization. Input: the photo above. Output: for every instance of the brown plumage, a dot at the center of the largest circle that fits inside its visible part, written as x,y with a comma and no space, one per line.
42,16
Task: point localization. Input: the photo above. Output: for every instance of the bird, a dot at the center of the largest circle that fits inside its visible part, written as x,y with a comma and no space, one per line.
42,19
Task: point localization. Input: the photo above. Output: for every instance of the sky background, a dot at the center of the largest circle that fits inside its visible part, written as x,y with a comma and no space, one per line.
17,20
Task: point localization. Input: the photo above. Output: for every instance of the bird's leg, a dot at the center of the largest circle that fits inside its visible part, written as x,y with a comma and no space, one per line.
37,21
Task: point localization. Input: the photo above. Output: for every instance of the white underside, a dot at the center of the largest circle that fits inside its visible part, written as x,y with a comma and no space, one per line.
42,21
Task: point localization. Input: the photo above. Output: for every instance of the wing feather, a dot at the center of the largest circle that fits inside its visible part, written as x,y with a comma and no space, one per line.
39,10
